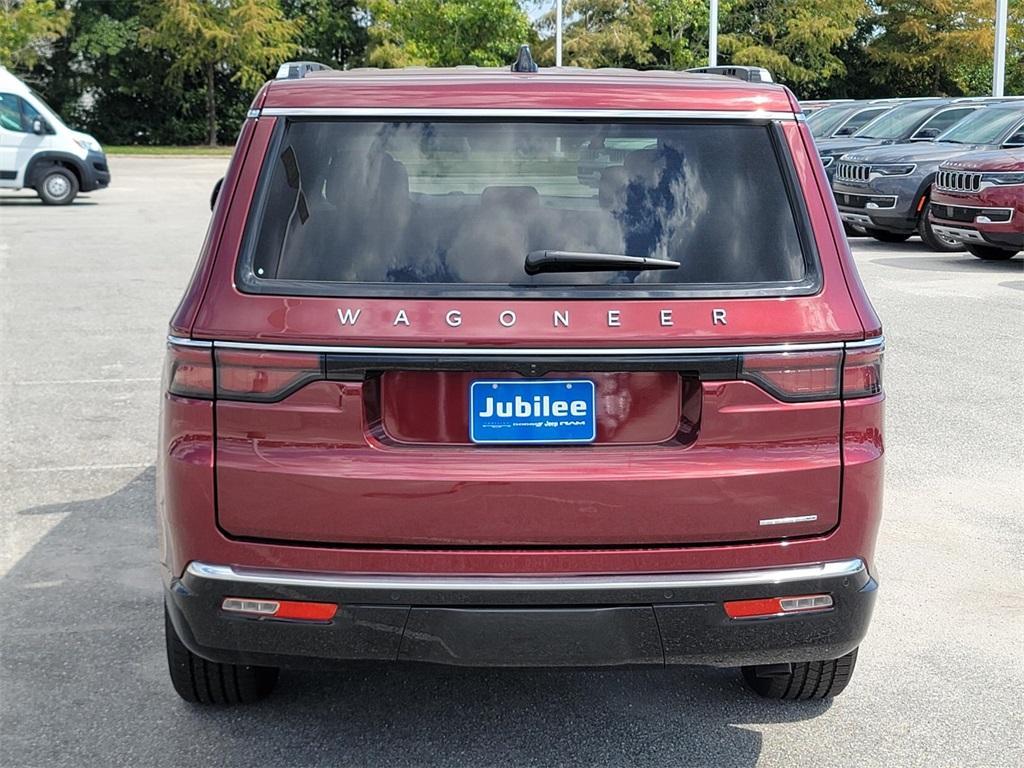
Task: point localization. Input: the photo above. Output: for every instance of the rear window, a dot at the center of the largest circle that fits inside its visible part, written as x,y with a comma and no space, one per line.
363,208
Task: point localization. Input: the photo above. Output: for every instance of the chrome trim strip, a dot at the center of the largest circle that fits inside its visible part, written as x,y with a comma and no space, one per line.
877,341
766,576
529,351
515,352
699,114
877,207
180,341
986,209
788,520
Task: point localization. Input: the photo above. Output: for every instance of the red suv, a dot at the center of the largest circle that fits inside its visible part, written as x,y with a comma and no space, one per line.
978,199
430,396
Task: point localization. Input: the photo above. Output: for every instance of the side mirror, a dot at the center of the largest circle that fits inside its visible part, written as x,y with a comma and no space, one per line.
846,130
928,134
39,126
216,191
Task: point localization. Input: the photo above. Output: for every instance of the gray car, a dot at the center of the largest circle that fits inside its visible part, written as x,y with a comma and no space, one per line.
885,190
914,120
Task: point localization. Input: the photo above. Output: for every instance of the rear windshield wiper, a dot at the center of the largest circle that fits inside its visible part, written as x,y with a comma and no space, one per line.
570,261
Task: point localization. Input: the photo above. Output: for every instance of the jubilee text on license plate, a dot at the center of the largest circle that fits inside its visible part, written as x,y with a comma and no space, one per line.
538,411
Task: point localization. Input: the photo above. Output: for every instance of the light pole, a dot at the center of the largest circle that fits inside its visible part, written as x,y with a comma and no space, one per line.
999,58
713,34
558,33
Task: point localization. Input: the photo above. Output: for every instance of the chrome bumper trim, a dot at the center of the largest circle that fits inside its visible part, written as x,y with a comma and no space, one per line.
765,577
856,218
958,233
871,206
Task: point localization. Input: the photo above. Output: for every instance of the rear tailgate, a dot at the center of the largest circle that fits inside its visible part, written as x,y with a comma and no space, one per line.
677,460
347,421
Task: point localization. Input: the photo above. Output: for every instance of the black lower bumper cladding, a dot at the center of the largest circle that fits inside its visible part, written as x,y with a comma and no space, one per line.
603,624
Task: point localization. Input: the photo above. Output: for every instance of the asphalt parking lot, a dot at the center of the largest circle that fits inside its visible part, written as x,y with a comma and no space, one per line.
85,294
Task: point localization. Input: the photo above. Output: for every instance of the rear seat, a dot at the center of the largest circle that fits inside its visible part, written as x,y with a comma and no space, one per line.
365,230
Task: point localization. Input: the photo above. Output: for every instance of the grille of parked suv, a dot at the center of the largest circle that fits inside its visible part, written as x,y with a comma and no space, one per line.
852,172
958,181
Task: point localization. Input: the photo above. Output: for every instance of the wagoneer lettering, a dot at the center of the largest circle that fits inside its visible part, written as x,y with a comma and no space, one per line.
521,369
508,318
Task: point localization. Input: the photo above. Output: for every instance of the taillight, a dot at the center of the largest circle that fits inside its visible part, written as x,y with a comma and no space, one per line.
795,376
862,371
264,376
188,371
810,376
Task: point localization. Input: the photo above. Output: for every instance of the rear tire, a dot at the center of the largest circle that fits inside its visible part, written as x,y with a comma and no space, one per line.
200,681
934,241
990,252
884,236
58,186
806,681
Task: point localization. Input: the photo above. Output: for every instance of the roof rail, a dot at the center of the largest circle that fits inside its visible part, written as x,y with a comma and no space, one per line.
296,70
739,71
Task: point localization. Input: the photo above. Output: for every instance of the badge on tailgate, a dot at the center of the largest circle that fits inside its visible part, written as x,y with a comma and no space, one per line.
538,411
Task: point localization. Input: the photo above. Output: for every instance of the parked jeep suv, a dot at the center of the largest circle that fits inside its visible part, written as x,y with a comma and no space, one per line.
914,120
886,189
430,397
978,199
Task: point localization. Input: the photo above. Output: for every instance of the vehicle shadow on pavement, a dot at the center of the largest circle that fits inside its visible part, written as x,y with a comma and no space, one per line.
84,683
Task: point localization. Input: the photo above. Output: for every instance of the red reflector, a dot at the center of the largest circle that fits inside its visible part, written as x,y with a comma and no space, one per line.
280,609
307,611
795,375
773,606
862,372
188,371
264,376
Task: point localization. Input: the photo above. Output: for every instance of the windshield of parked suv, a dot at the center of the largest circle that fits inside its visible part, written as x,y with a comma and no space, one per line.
825,121
444,202
986,126
896,123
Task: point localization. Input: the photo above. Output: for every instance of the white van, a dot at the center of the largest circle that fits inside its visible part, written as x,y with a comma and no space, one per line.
38,151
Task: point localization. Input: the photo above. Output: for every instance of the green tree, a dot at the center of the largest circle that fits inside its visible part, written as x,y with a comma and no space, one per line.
27,27
796,40
931,47
603,33
445,33
247,37
332,31
681,31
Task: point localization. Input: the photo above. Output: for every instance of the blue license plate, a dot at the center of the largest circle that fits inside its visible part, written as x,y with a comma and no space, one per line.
539,411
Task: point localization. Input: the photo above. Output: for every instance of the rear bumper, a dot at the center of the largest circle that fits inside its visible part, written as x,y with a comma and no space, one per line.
524,621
